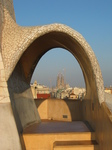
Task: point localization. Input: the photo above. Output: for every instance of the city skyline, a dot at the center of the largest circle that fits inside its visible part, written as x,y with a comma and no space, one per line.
72,74
93,19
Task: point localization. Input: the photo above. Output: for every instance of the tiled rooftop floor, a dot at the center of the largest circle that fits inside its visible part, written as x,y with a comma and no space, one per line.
57,127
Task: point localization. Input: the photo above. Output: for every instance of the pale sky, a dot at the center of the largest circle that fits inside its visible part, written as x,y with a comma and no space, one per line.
91,18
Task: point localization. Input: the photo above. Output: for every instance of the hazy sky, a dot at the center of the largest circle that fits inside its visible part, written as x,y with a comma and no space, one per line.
91,18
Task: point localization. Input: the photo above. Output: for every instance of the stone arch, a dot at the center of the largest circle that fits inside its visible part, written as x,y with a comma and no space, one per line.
52,40
58,35
16,40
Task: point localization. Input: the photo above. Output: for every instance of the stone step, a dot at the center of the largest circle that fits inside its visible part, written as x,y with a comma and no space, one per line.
42,136
45,141
75,145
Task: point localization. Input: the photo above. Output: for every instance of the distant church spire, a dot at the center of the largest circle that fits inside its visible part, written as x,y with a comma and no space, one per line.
60,81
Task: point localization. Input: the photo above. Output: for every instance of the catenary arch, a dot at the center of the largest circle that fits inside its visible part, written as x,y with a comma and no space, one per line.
41,39
80,50
37,49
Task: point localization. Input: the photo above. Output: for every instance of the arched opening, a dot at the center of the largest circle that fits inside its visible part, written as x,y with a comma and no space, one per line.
58,39
58,61
65,88
19,82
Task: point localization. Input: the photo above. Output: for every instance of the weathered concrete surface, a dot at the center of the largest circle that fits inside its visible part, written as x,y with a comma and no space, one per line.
9,139
22,99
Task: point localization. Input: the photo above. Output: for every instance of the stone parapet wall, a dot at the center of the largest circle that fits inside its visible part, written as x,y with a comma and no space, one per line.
58,109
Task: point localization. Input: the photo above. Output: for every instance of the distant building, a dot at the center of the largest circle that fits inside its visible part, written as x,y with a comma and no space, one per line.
73,96
33,89
60,81
69,93
40,91
64,95
108,90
